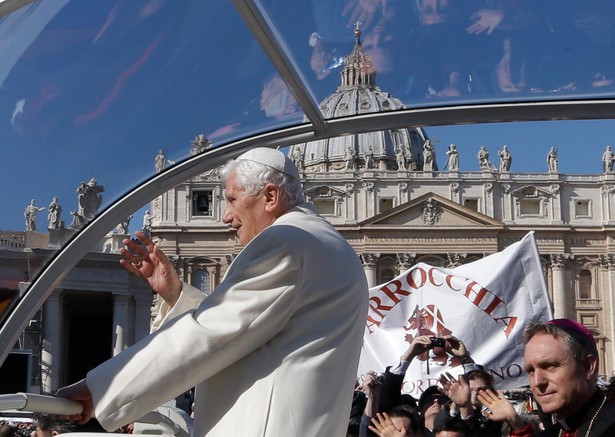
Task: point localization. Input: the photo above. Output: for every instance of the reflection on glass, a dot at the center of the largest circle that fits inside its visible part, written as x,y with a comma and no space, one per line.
439,51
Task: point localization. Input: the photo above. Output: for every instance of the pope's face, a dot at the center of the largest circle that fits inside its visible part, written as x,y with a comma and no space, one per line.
247,214
559,383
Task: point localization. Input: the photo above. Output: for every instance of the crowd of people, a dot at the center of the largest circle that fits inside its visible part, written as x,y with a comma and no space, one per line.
564,398
273,350
41,425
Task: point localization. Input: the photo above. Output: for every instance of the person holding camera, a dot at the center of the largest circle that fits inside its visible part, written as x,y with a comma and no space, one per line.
433,400
385,388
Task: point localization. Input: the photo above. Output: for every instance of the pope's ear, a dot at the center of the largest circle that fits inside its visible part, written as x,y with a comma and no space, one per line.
273,200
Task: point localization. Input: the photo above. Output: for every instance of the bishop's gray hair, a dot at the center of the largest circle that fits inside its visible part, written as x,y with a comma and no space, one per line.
579,345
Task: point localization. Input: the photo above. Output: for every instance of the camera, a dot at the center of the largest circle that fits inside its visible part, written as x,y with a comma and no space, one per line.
436,342
379,378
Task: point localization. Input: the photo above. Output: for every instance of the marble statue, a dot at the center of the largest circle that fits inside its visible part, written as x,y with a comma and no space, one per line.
54,219
162,161
297,158
452,158
369,157
429,156
607,160
122,227
89,199
200,143
30,215
147,223
483,158
350,157
505,159
552,160
400,155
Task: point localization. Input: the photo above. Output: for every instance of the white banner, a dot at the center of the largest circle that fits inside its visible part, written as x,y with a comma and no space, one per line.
486,304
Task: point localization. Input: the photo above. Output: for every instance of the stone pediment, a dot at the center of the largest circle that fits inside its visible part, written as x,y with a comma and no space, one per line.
432,210
323,192
531,191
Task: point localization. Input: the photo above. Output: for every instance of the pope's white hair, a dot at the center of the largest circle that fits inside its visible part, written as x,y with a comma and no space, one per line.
253,176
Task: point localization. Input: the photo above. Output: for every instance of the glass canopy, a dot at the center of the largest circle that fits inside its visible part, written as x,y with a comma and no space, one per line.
93,91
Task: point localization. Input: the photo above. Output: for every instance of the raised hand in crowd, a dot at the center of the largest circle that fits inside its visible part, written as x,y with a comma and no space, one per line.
145,260
458,390
456,348
371,388
419,345
499,409
383,426
485,20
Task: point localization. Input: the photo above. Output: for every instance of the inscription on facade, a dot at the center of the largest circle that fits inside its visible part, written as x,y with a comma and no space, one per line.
430,239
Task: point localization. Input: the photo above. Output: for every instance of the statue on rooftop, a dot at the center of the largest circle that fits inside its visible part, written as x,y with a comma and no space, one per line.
297,158
350,157
122,227
369,157
453,158
483,158
77,222
552,160
400,156
30,215
505,159
147,223
89,199
54,220
607,160
429,156
200,143
161,161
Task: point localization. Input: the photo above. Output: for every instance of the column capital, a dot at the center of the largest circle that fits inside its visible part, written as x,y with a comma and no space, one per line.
558,260
369,259
405,260
607,261
455,259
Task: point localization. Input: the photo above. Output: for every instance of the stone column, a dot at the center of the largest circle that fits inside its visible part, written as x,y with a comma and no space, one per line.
607,264
350,204
508,204
51,358
556,206
123,323
371,208
607,203
560,301
369,265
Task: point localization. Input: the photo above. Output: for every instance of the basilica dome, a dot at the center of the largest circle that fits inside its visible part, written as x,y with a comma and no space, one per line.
359,94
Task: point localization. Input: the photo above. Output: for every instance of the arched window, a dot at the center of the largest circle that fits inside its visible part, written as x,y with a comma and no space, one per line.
585,284
202,281
386,275
386,269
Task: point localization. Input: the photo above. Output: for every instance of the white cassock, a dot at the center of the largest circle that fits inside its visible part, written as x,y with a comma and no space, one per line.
273,350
